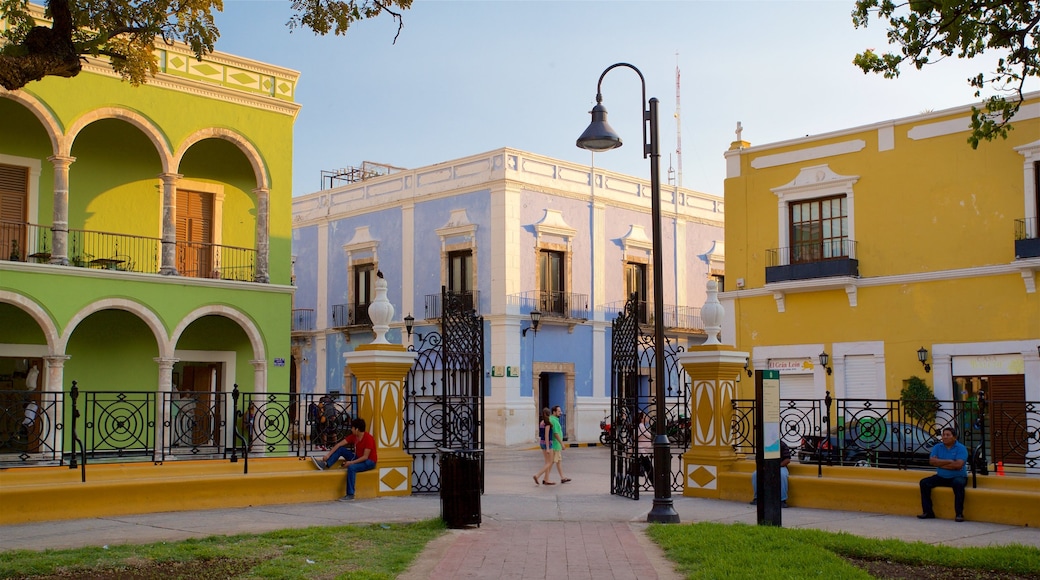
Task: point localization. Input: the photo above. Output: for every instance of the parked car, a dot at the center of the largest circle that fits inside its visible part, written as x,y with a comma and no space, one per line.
874,444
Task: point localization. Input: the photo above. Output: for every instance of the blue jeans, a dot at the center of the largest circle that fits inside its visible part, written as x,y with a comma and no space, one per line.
353,469
930,483
783,484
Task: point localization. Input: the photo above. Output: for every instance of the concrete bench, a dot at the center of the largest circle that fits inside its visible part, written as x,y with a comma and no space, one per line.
1004,500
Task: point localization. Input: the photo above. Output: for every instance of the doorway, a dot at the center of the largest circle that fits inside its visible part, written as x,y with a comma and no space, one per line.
197,404
554,385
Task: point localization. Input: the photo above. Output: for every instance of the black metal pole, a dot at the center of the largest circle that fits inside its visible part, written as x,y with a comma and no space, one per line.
663,510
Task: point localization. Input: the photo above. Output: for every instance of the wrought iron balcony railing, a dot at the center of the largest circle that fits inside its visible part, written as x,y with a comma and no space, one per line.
675,317
824,259
566,305
302,319
434,308
25,242
344,315
1027,238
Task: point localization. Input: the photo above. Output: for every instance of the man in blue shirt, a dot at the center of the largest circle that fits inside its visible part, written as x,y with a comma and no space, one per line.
950,459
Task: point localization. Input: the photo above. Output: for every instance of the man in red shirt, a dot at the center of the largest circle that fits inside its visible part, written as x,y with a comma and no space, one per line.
362,458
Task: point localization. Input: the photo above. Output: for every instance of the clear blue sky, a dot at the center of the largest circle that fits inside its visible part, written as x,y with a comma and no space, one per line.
466,77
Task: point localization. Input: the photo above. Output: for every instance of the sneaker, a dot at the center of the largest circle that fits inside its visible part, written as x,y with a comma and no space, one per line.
783,504
319,463
753,502
926,517
959,518
346,498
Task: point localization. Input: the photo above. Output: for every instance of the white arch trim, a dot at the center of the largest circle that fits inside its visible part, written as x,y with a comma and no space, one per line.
41,112
252,332
37,312
250,151
147,315
138,120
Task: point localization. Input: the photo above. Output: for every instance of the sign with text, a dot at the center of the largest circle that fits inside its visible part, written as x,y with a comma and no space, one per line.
771,414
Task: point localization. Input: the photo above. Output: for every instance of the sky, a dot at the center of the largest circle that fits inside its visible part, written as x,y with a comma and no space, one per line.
469,76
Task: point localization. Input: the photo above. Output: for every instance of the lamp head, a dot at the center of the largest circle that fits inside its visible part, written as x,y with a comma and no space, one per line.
599,136
536,316
824,359
922,357
409,323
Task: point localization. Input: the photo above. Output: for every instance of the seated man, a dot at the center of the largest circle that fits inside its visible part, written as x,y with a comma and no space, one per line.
362,458
950,459
785,458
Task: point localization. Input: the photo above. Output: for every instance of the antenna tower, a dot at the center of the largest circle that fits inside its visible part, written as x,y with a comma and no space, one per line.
678,125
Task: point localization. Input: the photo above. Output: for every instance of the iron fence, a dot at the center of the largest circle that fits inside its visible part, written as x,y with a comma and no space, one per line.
900,433
567,305
151,426
434,303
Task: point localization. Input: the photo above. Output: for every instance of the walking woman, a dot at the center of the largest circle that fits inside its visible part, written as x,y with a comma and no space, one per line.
544,441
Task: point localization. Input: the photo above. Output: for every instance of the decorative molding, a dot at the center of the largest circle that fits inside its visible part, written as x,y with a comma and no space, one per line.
552,223
636,239
808,154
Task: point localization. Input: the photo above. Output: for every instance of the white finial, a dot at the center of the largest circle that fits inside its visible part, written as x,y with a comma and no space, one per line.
740,129
380,311
712,313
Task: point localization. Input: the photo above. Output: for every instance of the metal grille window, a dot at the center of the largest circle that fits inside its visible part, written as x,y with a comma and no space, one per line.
819,229
635,283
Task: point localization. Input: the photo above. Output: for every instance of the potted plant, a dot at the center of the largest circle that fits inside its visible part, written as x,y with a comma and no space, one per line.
918,400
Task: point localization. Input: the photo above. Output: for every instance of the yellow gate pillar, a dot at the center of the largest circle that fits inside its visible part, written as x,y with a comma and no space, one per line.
713,375
380,370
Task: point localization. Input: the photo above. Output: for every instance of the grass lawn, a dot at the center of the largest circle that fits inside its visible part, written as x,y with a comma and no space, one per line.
709,550
704,550
364,552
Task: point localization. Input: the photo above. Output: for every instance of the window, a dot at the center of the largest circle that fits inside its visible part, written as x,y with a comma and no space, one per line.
720,280
364,283
550,267
194,233
819,229
635,283
460,276
13,197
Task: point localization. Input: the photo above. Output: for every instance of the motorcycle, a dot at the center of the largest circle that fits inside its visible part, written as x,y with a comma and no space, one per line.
606,437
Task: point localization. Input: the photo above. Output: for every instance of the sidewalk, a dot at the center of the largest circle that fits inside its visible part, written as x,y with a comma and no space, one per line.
578,527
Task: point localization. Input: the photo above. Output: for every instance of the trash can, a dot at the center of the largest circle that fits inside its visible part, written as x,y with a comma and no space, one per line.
461,482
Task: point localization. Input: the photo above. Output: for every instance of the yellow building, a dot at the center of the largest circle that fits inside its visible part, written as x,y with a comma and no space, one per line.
897,250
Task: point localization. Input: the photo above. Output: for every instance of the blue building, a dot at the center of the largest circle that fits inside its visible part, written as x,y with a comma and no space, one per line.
514,232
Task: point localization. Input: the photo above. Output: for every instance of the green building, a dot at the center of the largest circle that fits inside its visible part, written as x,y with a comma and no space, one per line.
144,254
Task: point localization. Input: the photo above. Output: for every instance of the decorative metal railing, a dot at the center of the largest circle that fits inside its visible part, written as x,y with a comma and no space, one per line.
1027,229
40,428
434,307
553,304
302,319
836,248
344,315
676,317
26,242
900,433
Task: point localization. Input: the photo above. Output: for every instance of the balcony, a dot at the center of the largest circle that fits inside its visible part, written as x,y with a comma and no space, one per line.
676,318
344,315
807,261
558,305
25,242
434,308
1027,238
302,320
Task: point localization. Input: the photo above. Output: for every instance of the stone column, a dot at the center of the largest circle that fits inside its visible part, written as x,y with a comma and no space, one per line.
163,405
168,265
263,239
60,219
52,383
380,370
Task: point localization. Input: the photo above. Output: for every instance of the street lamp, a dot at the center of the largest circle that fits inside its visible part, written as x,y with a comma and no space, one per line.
601,137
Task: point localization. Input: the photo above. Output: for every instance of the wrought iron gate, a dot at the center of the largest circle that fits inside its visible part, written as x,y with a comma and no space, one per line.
444,394
633,401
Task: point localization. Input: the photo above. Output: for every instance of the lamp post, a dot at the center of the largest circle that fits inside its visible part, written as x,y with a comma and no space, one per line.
599,136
